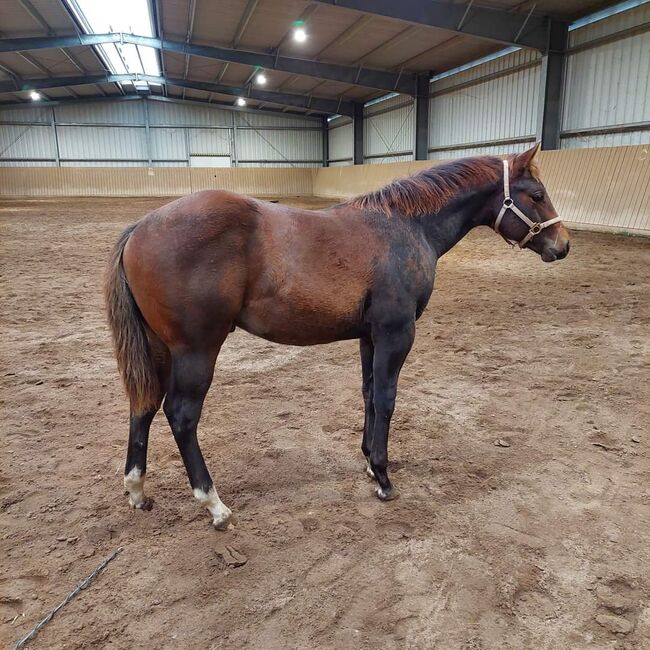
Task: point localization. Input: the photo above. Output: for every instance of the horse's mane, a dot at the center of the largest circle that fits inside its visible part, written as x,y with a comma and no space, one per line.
429,190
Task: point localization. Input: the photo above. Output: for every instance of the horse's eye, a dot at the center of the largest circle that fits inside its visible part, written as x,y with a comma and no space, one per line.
538,197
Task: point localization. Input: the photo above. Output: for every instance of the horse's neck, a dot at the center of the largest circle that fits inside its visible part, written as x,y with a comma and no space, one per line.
447,227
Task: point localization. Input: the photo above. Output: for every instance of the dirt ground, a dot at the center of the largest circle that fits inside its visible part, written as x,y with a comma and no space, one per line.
541,544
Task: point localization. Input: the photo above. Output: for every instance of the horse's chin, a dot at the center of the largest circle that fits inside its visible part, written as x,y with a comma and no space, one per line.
548,256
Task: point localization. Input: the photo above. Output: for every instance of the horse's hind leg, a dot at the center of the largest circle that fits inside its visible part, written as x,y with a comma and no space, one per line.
191,376
136,459
139,424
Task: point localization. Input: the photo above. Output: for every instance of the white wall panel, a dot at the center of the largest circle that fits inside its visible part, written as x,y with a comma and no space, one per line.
168,113
478,73
341,143
502,107
609,84
103,163
214,142
26,114
101,142
281,165
97,132
606,140
617,23
388,159
26,142
168,144
485,150
272,119
130,112
389,131
28,163
279,145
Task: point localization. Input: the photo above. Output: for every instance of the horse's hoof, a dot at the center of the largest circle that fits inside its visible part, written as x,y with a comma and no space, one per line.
145,504
386,495
370,473
222,522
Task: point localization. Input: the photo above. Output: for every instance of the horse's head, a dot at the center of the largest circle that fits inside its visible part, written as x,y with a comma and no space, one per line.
524,213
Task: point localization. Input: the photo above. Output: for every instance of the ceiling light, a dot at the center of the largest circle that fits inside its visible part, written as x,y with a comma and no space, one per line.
261,78
299,35
241,101
35,96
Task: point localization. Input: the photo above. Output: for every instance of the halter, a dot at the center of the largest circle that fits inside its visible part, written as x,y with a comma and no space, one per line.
534,227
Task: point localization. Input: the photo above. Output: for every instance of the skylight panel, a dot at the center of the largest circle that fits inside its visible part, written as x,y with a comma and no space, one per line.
129,16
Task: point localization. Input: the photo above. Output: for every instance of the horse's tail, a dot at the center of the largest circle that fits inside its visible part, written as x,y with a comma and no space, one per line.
135,360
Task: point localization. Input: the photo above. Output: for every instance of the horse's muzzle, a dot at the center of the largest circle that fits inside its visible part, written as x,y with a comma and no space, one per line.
553,253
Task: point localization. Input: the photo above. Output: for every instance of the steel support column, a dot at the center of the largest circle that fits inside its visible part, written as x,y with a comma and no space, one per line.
422,117
325,141
357,126
234,159
147,130
552,86
57,151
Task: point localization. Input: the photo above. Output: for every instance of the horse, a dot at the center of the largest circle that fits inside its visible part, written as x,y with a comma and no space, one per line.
187,274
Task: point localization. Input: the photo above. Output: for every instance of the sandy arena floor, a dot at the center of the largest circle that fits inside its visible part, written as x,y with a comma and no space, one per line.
542,544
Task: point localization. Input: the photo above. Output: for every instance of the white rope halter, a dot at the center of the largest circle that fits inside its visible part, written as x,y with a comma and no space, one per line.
534,227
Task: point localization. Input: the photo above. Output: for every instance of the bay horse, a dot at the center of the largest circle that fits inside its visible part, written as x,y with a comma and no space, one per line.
183,277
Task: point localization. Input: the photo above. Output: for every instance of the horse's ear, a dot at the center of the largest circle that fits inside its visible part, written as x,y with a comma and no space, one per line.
525,161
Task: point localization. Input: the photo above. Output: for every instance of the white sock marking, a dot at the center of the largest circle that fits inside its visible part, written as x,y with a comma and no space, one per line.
134,484
219,511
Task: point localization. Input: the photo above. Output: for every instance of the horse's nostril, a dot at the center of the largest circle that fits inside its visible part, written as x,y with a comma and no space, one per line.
561,254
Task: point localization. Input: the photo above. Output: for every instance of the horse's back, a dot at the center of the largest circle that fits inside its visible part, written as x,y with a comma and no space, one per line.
215,259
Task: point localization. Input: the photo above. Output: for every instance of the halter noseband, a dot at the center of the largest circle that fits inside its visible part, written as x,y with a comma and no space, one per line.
534,227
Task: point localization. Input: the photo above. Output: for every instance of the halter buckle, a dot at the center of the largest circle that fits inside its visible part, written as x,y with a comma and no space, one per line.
537,227
508,202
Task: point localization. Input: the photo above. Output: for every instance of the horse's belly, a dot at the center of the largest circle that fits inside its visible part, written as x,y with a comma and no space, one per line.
293,322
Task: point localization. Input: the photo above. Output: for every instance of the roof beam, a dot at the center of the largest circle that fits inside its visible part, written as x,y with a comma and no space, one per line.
357,75
249,10
188,37
524,30
319,104
155,98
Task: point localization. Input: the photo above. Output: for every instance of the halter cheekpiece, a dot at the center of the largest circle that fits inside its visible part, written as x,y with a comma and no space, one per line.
534,227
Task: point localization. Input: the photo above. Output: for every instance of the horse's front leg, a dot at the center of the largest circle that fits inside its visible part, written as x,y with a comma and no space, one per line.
392,344
367,351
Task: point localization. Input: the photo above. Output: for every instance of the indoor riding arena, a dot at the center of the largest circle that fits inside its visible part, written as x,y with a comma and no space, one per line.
275,306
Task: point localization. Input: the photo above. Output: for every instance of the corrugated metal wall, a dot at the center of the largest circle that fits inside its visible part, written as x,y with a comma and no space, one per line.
281,145
488,109
608,82
153,133
493,108
389,130
340,137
